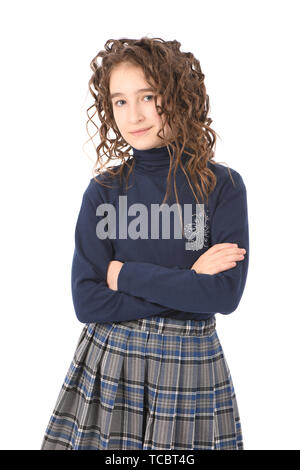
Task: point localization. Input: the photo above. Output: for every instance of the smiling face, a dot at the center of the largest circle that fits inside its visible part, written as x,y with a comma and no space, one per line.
134,107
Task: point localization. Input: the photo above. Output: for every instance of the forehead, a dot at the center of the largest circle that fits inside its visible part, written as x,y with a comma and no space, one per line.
127,78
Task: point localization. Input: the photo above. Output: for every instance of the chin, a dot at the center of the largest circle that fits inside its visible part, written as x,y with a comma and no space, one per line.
143,143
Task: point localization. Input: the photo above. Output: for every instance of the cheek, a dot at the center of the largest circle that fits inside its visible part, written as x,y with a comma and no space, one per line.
155,117
119,120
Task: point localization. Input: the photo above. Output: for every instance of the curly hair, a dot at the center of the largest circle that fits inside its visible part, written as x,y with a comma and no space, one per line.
177,77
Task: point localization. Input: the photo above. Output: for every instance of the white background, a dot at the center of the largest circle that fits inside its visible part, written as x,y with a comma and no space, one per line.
249,54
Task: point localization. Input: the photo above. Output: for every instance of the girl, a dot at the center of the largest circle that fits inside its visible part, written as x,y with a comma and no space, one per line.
149,371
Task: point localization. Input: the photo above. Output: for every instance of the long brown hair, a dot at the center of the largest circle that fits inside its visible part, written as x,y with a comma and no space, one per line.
177,77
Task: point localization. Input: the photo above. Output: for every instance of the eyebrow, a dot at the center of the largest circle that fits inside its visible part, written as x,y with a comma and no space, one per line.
137,91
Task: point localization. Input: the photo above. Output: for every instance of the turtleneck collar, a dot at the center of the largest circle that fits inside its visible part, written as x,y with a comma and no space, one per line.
154,161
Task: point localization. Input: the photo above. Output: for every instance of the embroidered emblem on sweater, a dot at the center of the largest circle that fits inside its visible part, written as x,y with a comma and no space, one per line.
197,232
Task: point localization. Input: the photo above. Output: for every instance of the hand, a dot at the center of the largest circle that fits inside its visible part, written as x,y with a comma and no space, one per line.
113,270
218,258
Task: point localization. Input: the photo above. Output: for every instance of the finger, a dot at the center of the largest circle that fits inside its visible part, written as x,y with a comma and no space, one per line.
234,257
224,250
226,266
228,257
221,246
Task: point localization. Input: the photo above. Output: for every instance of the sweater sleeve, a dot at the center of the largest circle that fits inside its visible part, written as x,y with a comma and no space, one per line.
93,300
187,290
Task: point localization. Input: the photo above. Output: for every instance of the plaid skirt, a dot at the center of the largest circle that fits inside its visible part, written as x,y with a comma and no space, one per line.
152,383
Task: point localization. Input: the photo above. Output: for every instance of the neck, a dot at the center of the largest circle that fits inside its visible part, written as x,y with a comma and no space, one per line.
155,160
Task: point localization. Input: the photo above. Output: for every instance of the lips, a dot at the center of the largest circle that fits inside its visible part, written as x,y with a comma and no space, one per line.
140,131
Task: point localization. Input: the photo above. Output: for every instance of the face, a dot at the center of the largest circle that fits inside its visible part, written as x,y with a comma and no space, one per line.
134,109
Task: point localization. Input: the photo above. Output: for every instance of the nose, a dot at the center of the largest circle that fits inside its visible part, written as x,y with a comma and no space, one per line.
135,114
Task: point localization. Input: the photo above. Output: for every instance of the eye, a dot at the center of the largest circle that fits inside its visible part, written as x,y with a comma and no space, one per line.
119,101
148,96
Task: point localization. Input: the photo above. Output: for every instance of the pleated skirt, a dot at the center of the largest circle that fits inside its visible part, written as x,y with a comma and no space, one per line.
153,383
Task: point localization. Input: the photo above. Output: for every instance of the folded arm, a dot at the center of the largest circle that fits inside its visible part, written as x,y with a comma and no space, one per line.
93,300
185,289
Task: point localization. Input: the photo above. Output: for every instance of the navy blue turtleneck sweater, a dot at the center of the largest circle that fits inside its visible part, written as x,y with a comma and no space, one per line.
156,277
